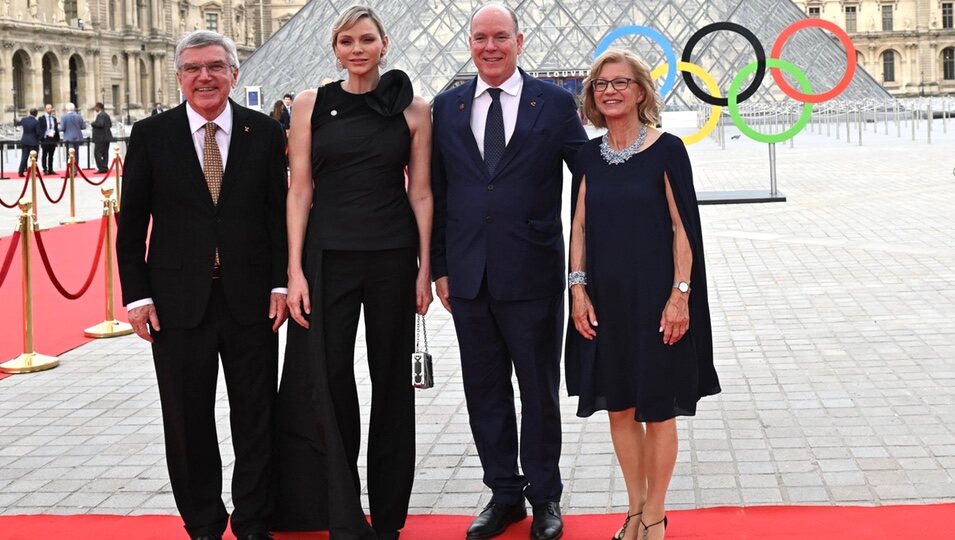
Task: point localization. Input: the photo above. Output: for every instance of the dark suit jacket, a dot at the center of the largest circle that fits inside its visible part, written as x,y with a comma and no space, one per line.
32,131
164,181
509,223
42,129
286,119
101,124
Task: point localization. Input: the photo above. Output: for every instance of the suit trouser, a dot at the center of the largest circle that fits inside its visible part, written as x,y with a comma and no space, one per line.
100,149
25,150
49,149
493,336
187,367
384,283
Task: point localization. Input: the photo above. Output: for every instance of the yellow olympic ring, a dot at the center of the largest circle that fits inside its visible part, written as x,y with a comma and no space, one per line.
710,82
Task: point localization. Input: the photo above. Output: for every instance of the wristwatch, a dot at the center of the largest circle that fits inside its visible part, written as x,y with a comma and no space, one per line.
682,286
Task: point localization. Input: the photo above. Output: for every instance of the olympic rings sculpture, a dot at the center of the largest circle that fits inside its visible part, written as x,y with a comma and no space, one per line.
757,68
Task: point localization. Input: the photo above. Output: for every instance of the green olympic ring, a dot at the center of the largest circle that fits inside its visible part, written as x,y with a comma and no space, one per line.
738,80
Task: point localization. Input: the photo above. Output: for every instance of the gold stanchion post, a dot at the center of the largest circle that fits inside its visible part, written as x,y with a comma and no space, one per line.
110,327
71,173
33,173
118,173
29,361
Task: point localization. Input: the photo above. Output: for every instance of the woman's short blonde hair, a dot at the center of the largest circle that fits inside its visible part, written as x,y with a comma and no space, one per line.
350,16
648,110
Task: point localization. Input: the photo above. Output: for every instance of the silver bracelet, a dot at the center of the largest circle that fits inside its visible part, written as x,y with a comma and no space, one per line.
577,278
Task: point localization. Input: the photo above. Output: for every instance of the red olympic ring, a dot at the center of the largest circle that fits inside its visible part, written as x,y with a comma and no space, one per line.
850,57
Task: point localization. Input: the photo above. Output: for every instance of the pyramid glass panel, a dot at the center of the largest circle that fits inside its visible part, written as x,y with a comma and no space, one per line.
428,40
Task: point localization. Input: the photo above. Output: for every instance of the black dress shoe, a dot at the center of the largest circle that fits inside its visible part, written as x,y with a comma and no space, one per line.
388,535
547,524
494,520
257,536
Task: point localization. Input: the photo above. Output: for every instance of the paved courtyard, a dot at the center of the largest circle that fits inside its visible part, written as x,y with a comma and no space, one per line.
834,321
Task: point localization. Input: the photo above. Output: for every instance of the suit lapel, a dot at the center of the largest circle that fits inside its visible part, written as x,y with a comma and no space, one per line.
238,149
464,103
527,112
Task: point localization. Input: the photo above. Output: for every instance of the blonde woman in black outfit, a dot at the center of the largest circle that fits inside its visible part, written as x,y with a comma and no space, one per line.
358,239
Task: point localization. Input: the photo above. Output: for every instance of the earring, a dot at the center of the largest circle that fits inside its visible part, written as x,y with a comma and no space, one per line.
338,64
383,62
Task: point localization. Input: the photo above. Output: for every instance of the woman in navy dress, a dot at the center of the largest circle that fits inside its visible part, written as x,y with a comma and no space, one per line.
640,343
358,242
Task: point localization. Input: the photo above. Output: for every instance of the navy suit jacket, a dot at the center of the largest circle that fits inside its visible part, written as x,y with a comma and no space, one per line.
32,131
508,224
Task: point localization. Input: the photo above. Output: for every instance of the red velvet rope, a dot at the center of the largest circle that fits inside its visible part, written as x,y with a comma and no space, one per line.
26,184
14,240
47,193
89,279
90,182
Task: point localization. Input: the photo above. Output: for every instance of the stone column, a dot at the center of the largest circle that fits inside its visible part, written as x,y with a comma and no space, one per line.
6,79
132,77
158,78
35,99
129,14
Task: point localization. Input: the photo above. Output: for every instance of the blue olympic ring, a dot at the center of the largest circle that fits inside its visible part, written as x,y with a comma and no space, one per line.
661,40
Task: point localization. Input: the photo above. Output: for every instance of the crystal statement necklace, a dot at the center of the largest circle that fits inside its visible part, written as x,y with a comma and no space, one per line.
616,157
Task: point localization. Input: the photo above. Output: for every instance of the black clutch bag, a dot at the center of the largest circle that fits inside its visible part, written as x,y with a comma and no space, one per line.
422,374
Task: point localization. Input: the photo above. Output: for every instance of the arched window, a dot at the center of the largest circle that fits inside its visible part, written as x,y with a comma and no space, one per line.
21,79
948,64
888,66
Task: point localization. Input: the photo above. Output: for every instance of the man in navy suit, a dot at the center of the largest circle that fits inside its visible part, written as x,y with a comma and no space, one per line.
49,138
500,142
30,140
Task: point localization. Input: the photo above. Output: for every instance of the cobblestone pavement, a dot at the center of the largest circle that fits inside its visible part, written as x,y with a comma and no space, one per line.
834,320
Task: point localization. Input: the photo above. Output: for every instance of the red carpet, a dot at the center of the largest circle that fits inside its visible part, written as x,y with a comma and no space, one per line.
923,522
58,322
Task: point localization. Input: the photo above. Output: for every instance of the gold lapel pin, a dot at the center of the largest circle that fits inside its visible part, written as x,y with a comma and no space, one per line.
460,106
533,104
247,129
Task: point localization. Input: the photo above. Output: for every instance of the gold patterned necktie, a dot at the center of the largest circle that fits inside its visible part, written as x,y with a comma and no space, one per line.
212,162
212,167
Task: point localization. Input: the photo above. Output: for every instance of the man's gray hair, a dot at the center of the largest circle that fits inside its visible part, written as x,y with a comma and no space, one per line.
501,5
204,38
69,107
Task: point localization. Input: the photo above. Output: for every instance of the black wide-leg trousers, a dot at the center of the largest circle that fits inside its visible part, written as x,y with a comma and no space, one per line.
187,368
383,281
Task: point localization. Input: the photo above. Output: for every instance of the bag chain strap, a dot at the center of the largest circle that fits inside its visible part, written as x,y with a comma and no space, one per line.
421,329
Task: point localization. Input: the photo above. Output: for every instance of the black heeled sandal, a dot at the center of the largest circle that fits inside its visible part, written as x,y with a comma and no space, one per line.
646,528
623,529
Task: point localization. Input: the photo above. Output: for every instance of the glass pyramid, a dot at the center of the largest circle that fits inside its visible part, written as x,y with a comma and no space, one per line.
429,42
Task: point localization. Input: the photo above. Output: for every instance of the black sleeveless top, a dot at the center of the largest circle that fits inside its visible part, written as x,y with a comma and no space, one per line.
360,148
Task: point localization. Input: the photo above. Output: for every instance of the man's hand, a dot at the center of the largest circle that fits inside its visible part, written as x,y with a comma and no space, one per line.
441,288
278,310
141,316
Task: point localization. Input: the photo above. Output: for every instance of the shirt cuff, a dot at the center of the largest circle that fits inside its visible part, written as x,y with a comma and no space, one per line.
139,303
280,290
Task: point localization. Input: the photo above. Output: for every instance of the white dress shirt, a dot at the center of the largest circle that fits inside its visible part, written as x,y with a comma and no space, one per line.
510,103
197,126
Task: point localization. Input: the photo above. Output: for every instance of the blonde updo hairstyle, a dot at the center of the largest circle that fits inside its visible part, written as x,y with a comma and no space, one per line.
352,15
648,110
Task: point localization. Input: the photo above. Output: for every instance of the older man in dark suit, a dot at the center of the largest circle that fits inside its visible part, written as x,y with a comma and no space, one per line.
500,142
211,175
30,139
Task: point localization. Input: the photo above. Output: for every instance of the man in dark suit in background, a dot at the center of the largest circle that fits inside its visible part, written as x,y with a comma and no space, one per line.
102,136
51,135
30,139
286,119
212,177
498,258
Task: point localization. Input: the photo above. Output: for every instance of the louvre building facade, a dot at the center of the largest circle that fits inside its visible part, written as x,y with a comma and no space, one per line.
429,42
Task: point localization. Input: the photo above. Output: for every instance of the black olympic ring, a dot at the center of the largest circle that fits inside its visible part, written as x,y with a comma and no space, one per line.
753,41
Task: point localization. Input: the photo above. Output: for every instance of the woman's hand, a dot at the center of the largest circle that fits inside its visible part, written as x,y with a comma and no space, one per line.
676,317
582,312
423,292
299,304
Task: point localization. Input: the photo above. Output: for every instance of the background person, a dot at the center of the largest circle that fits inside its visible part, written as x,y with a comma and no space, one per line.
73,126
500,144
211,178
636,248
32,130
357,240
278,112
49,138
101,135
